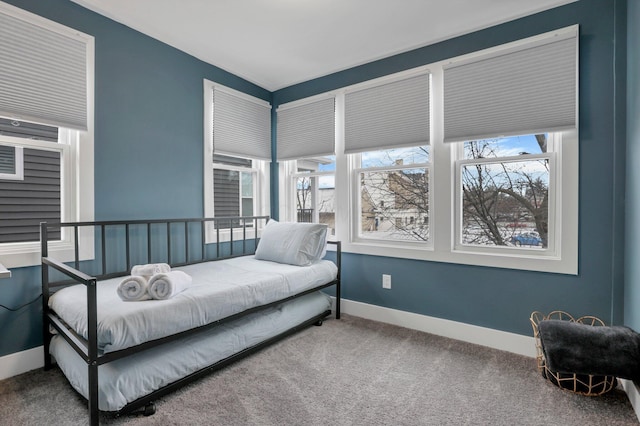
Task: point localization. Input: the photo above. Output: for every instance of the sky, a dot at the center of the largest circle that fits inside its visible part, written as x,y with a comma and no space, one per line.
504,147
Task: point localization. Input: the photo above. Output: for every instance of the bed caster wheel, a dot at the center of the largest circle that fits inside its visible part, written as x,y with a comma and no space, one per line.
318,323
149,409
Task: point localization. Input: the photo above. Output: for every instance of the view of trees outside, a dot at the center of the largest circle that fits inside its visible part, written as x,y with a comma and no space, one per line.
505,193
315,190
506,202
314,203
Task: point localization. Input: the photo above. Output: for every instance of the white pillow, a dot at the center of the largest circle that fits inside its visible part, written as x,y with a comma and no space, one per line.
294,243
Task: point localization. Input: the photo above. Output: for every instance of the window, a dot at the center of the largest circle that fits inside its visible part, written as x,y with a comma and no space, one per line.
11,162
505,191
236,147
46,137
306,151
393,188
447,162
314,187
238,187
34,196
235,181
57,185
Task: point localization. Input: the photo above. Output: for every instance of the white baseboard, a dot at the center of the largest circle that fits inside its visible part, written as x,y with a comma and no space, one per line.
21,362
633,394
510,342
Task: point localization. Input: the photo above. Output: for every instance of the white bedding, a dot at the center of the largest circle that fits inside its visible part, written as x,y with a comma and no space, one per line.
127,379
219,289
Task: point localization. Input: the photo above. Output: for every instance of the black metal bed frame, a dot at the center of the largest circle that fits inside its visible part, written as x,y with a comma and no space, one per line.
88,348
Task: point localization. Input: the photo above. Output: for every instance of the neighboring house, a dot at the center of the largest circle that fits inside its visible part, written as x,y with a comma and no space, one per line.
396,203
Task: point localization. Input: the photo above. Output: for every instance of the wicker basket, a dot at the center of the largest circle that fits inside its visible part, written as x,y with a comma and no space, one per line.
585,384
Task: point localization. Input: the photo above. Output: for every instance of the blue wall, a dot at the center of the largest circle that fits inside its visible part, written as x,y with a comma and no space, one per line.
632,252
148,163
148,140
499,298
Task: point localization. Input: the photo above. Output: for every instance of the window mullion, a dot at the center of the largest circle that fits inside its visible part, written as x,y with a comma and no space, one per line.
393,168
311,174
511,159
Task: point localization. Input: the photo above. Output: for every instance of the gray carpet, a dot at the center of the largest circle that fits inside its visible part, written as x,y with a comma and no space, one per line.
348,372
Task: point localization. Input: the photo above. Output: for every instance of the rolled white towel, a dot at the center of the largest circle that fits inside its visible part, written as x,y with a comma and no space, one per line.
150,269
134,288
166,285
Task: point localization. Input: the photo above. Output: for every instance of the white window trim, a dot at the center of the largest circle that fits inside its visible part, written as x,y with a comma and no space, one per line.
77,204
562,254
77,179
288,187
260,168
18,161
442,210
551,250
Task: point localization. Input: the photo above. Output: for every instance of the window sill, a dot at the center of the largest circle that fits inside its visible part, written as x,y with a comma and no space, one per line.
4,272
20,255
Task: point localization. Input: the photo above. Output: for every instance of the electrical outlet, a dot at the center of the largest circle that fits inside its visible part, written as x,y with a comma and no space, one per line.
386,281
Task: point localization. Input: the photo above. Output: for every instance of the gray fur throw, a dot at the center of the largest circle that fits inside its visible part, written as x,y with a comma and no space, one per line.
571,347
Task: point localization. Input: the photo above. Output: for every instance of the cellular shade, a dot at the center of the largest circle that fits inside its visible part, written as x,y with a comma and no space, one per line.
43,71
528,90
387,116
241,125
307,130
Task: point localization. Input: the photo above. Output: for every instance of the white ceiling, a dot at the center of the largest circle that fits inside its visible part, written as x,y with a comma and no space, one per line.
277,43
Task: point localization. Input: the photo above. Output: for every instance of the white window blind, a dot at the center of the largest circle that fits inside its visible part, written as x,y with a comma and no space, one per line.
527,90
43,70
307,130
390,115
241,125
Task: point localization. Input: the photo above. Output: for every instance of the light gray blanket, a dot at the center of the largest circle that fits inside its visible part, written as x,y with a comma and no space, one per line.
219,289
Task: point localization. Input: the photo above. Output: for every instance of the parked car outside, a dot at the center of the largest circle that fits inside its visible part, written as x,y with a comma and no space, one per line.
526,239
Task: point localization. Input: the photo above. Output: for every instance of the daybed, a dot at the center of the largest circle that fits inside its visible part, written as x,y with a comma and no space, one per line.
250,287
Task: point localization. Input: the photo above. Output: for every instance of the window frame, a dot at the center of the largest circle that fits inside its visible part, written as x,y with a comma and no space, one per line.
563,219
443,213
356,227
260,172
77,196
260,169
18,161
77,172
288,187
553,144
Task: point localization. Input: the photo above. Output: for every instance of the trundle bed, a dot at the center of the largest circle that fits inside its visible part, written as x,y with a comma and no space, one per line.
253,281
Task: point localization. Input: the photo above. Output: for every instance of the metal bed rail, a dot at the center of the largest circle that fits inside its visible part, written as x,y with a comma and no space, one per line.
87,348
220,230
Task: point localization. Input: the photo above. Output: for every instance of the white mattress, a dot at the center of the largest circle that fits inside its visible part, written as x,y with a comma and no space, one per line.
220,289
125,380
